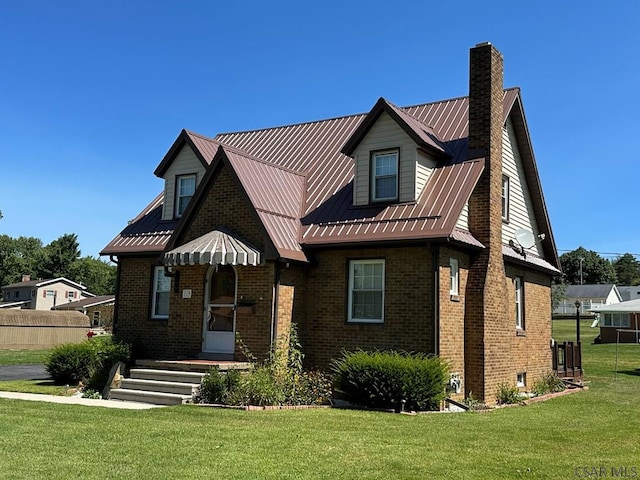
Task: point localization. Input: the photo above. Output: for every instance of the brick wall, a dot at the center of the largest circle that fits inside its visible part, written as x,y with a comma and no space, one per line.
531,347
408,304
452,311
134,323
235,214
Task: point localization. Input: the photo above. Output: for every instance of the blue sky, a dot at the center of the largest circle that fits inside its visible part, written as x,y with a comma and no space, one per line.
93,94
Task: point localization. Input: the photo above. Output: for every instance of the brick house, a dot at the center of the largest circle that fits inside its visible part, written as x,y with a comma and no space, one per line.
392,229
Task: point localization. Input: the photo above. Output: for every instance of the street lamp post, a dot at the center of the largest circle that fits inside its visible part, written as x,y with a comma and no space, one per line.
577,304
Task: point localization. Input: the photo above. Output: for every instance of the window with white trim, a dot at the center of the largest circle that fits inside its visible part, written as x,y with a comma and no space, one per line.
384,176
521,379
185,188
366,291
161,290
519,288
620,320
71,294
454,283
505,198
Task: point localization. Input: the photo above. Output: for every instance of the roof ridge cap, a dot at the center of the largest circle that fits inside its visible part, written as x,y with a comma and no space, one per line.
248,156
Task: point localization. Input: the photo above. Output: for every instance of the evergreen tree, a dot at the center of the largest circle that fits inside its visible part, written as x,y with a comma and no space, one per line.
627,269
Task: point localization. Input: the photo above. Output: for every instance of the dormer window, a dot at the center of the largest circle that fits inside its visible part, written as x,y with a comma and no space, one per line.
185,188
384,176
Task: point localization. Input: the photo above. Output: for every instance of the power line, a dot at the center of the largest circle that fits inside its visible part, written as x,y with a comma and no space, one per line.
608,254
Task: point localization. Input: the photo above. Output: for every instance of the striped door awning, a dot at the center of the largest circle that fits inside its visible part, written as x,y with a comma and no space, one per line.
214,248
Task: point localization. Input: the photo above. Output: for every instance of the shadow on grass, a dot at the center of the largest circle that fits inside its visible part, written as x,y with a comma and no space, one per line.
635,373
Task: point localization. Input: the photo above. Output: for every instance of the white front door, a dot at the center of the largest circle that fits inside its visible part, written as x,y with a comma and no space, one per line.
220,311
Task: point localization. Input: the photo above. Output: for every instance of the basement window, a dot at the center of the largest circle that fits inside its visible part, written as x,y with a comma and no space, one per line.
521,379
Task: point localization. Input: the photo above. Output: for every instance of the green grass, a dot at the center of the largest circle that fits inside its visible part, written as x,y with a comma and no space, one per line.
44,387
19,357
559,438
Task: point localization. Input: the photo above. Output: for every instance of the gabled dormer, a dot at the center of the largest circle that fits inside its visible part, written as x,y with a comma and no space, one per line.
394,155
182,169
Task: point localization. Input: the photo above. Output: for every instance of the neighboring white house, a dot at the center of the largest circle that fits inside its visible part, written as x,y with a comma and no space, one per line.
42,294
589,296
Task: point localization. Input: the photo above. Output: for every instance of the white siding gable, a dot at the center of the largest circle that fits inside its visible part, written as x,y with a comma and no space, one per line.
463,219
414,169
520,207
185,163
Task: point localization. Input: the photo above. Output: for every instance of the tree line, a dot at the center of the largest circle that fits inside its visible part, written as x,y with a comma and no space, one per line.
582,266
60,258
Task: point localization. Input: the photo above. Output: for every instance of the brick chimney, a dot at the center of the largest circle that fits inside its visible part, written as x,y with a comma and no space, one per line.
26,278
487,319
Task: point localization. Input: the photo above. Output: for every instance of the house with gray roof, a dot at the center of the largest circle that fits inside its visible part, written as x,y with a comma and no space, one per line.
589,296
392,229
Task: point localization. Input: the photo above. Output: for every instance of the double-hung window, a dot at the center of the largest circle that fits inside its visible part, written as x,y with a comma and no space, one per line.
185,188
366,291
161,290
505,198
384,176
519,288
454,283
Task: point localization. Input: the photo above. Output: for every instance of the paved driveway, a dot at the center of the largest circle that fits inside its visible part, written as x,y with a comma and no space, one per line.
23,372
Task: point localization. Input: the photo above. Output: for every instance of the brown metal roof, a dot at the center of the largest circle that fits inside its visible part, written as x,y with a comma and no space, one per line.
300,184
147,233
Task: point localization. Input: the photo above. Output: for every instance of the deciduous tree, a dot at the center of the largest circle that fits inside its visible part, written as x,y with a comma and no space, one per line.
595,269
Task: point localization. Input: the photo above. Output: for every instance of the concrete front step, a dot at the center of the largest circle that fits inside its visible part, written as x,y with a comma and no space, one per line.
156,398
159,386
166,375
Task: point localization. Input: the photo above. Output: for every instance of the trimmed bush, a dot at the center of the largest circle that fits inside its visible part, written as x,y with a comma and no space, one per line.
68,364
88,362
384,379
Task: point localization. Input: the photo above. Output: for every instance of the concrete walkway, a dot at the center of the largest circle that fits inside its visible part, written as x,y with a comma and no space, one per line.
89,402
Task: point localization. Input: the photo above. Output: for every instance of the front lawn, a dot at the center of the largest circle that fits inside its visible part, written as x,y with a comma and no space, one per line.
566,437
22,357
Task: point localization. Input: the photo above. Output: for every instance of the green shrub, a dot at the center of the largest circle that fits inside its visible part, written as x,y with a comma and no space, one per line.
106,353
216,385
386,379
68,364
280,380
88,362
508,394
549,383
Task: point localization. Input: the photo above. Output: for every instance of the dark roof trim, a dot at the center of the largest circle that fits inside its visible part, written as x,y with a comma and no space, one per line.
424,136
182,140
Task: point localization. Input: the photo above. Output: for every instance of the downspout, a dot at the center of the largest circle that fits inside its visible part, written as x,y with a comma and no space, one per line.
435,269
114,320
274,303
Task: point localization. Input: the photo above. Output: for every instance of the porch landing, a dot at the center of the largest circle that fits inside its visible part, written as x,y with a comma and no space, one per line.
192,365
